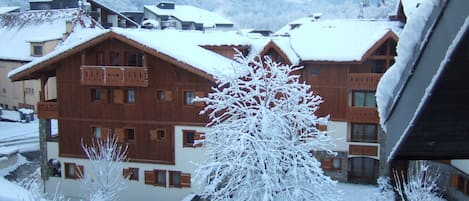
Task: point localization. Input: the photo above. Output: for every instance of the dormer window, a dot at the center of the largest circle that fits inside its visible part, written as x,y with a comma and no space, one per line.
37,49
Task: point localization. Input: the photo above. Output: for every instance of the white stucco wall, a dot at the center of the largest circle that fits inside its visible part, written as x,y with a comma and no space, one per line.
185,159
462,165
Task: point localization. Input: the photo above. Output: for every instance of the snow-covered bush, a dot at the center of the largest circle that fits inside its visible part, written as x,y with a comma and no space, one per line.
420,185
34,186
104,180
386,191
261,136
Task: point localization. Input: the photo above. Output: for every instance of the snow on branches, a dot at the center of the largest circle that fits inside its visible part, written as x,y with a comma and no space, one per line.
104,181
261,136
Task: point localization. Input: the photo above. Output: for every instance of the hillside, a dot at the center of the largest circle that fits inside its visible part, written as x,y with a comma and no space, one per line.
264,14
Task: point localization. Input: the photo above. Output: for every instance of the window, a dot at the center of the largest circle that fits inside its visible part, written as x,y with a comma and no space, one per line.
133,59
175,178
115,59
336,163
364,169
188,138
73,171
162,95
130,173
130,96
155,177
96,132
28,90
314,71
364,133
379,66
130,134
364,99
95,94
100,60
188,97
158,135
37,50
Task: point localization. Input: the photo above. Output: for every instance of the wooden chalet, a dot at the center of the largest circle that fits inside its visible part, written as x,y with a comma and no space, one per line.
427,113
137,85
344,68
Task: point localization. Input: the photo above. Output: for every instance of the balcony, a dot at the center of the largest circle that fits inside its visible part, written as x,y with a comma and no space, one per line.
363,81
114,76
363,150
48,110
363,115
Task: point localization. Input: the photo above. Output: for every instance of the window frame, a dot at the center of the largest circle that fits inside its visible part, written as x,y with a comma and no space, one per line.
185,134
78,171
362,136
189,100
171,179
36,53
127,132
131,173
157,176
129,96
364,103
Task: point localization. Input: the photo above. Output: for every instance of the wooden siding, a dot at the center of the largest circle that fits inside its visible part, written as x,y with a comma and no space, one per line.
363,81
363,150
363,115
114,76
78,113
47,110
330,83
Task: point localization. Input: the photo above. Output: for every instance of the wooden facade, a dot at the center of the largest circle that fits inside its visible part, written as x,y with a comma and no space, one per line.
134,96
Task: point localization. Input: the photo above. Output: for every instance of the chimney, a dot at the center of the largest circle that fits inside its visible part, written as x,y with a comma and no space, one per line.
165,5
68,27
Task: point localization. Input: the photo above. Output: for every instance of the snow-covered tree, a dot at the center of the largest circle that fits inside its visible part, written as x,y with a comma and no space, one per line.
34,186
420,184
386,190
104,180
261,137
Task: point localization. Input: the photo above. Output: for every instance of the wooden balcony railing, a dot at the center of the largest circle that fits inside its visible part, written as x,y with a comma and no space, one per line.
363,150
48,110
114,76
363,115
364,81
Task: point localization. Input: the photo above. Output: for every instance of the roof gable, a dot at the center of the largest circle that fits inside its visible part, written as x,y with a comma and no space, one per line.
186,55
273,46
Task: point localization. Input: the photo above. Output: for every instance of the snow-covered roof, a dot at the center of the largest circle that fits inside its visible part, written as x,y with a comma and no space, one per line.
9,9
343,40
410,6
410,40
188,13
103,4
182,46
260,44
17,30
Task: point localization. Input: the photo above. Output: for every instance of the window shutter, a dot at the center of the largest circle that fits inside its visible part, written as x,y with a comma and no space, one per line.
120,134
105,133
326,164
185,180
104,95
118,96
198,136
168,96
322,127
199,94
153,135
126,173
79,171
150,177
454,180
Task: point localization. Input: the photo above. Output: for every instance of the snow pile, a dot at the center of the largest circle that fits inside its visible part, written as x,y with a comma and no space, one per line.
12,192
8,9
337,40
410,42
